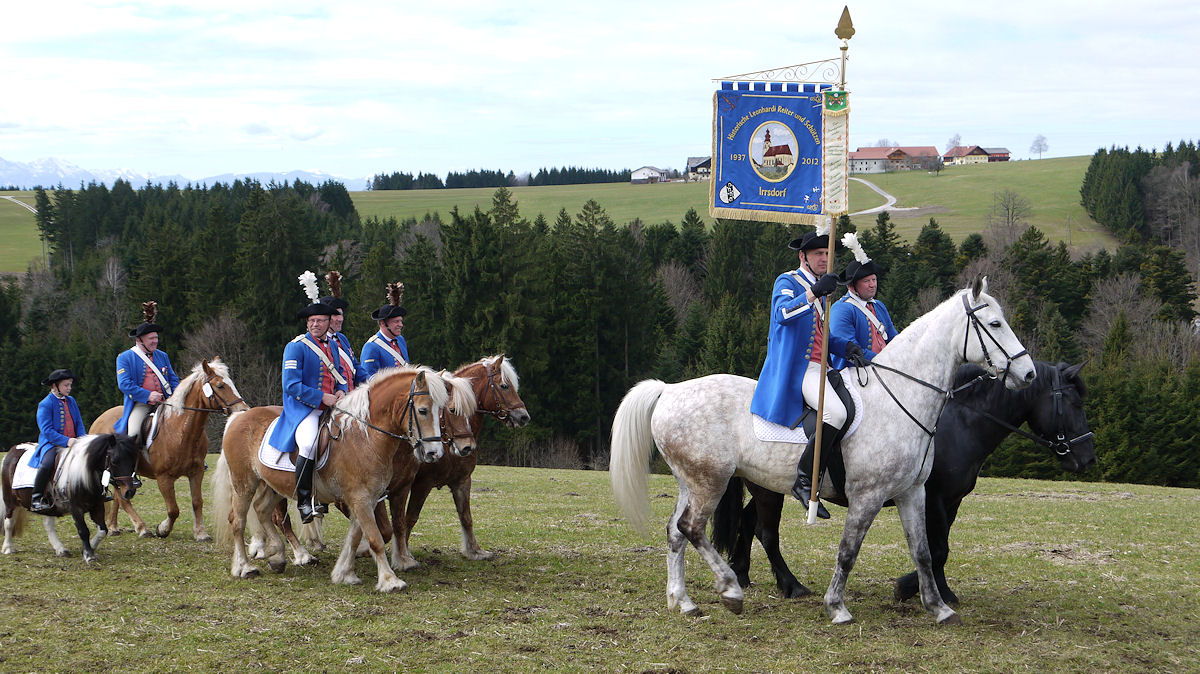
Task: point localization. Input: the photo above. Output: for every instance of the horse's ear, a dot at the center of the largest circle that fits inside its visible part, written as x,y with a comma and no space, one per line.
978,287
420,380
1072,372
207,369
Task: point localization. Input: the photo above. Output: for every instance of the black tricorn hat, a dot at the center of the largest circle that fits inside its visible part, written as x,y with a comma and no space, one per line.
147,326
316,309
857,270
57,376
395,293
810,241
334,298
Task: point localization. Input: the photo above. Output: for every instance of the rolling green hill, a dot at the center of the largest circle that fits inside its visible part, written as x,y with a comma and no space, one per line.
960,198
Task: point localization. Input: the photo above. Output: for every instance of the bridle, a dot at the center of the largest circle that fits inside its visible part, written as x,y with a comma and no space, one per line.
125,481
1060,445
211,392
409,416
502,413
979,333
449,438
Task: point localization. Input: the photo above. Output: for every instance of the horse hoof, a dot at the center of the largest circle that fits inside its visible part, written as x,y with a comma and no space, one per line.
203,538
89,559
952,619
114,531
839,616
902,594
251,572
146,534
734,604
277,567
796,591
391,586
479,555
62,553
406,564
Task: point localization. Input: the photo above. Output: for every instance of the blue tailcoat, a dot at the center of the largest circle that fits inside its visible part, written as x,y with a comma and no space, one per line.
344,342
302,370
374,358
131,372
51,424
779,396
848,324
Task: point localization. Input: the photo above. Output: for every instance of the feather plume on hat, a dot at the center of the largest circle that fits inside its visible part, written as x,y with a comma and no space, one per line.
850,240
149,311
334,279
308,281
395,293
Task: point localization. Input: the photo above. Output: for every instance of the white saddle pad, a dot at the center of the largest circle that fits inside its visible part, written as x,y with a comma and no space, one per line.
273,458
768,431
23,476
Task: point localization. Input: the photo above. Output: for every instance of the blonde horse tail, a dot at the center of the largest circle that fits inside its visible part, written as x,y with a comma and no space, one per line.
18,518
632,444
222,496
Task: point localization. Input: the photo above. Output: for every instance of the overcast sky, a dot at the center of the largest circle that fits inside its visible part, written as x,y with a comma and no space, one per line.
358,88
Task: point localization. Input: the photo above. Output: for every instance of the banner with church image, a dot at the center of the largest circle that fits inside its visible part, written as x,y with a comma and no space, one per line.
770,161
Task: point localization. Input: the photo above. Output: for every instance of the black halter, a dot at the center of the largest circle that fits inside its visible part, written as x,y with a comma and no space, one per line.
979,333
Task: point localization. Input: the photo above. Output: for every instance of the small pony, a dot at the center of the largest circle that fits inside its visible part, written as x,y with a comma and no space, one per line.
77,488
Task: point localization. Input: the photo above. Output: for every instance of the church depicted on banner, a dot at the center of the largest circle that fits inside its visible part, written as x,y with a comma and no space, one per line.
777,155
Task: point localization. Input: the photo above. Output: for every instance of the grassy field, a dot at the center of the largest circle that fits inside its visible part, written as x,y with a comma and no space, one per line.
960,199
1054,576
18,232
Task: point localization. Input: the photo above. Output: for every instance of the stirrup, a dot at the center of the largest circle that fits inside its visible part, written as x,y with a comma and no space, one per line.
40,506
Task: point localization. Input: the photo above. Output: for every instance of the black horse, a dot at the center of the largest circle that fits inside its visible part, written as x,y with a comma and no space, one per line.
975,421
78,488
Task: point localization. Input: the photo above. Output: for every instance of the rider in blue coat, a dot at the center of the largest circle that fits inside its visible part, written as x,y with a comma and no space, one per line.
313,380
386,348
350,365
143,386
59,423
859,325
791,373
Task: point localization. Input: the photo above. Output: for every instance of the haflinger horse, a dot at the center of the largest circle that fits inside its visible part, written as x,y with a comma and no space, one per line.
495,383
180,444
77,488
982,413
397,406
704,431
457,439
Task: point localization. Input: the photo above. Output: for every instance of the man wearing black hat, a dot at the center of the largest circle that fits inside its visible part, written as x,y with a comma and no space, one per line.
59,424
791,374
350,364
387,348
859,325
313,380
144,374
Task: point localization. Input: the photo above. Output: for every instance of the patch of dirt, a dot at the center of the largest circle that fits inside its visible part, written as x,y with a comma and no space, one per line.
1074,555
601,630
1064,495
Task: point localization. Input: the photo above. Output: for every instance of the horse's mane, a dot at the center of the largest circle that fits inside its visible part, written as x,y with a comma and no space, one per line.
75,474
1044,380
174,404
462,395
358,403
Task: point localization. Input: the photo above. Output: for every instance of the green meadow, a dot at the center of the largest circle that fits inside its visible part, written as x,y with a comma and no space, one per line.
960,198
1053,577
18,233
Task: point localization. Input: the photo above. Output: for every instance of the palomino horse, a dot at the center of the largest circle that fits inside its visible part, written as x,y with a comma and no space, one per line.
495,382
180,446
976,420
77,488
457,438
703,429
397,405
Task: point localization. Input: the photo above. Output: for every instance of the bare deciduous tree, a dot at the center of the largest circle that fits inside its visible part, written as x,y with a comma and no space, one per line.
680,287
954,142
1109,298
1172,209
1008,219
1039,146
884,142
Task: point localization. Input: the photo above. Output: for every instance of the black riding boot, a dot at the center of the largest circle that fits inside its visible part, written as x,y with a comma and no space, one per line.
39,503
304,496
802,490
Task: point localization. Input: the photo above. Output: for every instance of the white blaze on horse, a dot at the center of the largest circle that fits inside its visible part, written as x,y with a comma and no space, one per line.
180,445
397,407
77,488
704,431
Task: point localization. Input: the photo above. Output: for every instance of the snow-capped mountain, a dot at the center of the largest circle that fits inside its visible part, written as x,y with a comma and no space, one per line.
51,172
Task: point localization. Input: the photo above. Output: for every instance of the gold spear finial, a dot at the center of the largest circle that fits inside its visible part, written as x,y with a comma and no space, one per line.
845,29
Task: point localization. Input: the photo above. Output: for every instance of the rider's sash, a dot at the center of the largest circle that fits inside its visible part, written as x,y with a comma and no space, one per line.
381,343
150,364
337,376
862,306
817,303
